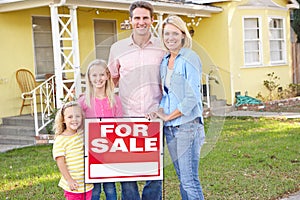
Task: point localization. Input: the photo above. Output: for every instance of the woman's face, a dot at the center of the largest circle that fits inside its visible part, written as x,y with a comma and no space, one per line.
172,38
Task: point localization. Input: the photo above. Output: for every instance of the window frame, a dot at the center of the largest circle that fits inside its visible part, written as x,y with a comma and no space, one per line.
114,34
259,41
283,40
39,76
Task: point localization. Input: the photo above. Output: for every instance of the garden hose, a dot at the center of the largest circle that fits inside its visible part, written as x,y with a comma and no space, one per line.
240,100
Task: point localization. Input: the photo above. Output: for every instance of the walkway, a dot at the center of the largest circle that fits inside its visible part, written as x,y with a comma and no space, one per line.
263,114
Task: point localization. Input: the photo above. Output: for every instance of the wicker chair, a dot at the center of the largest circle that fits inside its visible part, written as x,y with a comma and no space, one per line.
27,83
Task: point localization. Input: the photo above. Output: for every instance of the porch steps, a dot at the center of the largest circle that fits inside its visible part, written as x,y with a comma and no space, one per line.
17,132
218,107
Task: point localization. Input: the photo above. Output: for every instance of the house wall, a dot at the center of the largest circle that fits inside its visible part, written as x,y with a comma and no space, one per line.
250,79
212,36
86,31
16,39
222,36
16,52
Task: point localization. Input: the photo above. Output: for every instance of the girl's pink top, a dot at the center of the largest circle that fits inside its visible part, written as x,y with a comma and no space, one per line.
101,107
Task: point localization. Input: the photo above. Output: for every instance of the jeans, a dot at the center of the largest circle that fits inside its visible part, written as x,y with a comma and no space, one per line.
184,145
152,190
109,189
130,190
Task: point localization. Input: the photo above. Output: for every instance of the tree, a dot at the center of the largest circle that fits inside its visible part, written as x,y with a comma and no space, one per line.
296,22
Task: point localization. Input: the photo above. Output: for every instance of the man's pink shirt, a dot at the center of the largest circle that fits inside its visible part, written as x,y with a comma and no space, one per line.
138,72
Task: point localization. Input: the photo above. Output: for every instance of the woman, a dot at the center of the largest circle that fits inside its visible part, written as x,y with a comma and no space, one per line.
181,105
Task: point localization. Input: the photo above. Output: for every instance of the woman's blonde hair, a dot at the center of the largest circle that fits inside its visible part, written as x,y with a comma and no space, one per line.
180,24
59,125
109,85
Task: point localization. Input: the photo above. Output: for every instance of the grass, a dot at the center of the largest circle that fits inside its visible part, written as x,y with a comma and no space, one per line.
252,159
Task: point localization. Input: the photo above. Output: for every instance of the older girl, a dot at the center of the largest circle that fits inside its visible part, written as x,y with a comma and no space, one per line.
100,101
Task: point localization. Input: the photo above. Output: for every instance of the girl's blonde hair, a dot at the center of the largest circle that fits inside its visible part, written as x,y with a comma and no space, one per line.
180,24
59,125
109,85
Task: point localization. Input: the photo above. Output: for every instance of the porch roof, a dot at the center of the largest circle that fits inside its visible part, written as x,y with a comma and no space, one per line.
192,8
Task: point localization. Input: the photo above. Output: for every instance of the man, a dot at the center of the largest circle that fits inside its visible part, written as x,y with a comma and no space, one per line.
134,65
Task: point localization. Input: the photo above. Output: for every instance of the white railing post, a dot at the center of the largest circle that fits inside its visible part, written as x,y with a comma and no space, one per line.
205,78
35,114
207,90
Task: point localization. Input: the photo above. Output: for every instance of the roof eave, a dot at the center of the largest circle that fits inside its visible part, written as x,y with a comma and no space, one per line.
159,7
27,4
293,5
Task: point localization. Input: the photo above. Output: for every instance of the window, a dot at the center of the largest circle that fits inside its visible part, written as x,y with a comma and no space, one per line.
252,41
105,36
43,46
277,41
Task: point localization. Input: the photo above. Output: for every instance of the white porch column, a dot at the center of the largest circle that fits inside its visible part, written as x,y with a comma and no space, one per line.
66,54
56,53
75,45
160,22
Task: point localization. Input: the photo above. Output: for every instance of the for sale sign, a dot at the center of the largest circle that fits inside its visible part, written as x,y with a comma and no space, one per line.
123,149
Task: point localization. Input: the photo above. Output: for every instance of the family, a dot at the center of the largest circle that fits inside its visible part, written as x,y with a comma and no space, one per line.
156,79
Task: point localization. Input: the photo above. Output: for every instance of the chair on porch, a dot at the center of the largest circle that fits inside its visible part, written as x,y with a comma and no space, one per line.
27,83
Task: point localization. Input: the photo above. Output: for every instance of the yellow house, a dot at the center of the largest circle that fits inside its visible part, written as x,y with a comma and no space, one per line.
239,41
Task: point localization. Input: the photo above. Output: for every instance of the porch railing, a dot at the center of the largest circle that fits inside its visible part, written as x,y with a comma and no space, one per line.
43,102
205,86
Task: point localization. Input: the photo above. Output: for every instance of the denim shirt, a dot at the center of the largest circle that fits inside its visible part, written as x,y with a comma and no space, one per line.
184,92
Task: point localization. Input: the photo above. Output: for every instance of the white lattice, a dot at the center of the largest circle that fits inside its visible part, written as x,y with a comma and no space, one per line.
66,54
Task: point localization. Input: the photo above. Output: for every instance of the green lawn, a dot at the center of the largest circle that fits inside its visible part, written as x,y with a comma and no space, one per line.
251,159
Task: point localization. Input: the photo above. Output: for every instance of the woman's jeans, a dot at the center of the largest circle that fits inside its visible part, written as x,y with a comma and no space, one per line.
184,144
109,189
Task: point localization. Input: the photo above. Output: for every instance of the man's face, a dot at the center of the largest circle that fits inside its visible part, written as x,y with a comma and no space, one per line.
141,21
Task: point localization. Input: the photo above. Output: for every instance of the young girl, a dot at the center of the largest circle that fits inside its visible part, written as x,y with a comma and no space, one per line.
68,152
100,101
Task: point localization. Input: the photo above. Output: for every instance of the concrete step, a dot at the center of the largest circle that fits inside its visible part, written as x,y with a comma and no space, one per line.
23,120
218,103
17,140
7,147
19,131
213,98
16,130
